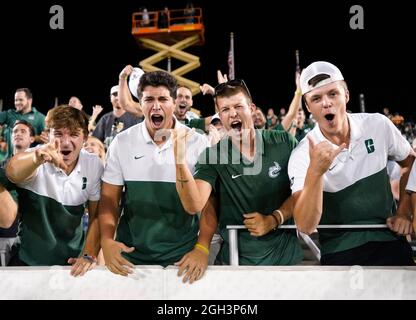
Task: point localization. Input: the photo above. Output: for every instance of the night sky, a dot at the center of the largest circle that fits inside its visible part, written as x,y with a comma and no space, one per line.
86,57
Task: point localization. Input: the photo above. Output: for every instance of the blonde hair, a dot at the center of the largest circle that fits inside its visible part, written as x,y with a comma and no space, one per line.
101,150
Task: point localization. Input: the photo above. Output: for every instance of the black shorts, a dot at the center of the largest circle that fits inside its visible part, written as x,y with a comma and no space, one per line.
375,253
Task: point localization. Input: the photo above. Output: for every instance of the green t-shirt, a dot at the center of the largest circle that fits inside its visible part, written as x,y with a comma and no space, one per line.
197,123
301,133
260,186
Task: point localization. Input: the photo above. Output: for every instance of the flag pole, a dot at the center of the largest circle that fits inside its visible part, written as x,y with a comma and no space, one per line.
231,63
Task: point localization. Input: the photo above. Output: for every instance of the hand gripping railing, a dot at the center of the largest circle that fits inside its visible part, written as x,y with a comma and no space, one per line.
233,239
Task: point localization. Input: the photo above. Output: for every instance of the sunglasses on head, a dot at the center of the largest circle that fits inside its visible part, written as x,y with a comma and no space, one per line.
231,84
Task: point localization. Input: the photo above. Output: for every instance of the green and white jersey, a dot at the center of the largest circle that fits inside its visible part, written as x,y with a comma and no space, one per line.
51,205
356,186
154,220
243,187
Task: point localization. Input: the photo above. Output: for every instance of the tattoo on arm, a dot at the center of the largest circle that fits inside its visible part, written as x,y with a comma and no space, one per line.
181,179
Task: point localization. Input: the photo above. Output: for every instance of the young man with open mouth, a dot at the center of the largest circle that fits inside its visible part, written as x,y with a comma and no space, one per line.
54,182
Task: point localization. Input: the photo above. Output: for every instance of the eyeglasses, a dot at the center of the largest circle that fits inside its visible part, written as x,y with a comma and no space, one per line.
231,84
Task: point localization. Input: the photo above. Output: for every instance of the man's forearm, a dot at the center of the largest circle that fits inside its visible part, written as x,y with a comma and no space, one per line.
187,189
108,210
291,113
208,223
404,205
22,166
308,204
8,208
126,101
92,243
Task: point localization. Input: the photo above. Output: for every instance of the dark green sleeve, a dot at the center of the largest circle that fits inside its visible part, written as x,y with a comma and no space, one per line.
204,170
41,121
3,117
292,142
197,124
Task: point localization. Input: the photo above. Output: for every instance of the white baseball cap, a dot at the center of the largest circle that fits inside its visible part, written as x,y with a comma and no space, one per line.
114,89
214,117
134,81
324,68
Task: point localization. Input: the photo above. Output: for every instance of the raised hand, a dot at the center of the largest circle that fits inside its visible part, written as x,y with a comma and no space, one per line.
322,155
51,152
180,137
221,77
127,70
207,89
96,110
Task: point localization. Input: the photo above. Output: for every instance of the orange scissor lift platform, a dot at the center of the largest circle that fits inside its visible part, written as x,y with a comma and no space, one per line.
169,32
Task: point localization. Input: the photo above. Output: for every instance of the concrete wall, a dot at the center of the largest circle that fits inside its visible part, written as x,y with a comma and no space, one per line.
219,282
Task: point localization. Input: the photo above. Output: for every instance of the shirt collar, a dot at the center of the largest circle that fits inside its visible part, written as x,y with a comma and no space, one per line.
355,131
55,170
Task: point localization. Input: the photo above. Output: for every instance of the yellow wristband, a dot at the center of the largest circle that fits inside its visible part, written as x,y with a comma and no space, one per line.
203,248
298,92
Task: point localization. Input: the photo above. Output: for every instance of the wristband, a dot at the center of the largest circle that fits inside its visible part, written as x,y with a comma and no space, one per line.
202,247
91,259
282,219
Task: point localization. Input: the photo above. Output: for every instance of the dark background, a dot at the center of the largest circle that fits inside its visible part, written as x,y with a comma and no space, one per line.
86,57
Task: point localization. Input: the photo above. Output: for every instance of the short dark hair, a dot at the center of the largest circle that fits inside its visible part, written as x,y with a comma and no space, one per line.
156,79
231,88
64,116
27,124
318,78
26,91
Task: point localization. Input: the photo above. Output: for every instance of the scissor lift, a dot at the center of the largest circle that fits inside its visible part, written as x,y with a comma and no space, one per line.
180,30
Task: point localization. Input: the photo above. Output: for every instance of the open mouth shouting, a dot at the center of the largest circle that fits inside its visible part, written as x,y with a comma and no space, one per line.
66,154
330,117
182,109
157,121
236,125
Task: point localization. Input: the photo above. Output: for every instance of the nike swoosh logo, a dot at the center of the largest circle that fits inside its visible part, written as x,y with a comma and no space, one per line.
138,157
236,176
332,167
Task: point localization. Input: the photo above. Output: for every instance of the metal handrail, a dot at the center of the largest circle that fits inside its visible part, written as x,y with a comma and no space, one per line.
233,239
